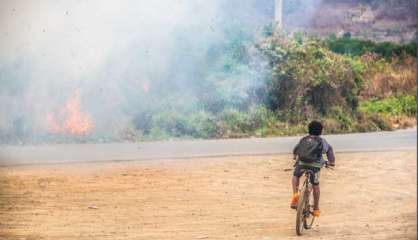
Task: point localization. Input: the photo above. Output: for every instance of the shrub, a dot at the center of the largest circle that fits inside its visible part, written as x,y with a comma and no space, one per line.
331,125
343,118
197,124
233,123
307,79
173,123
381,122
388,78
392,106
260,116
366,122
358,47
387,113
203,124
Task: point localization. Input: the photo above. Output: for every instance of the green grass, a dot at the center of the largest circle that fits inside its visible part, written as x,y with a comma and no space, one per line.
357,47
392,106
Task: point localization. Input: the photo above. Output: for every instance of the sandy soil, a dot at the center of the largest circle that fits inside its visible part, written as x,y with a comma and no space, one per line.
368,196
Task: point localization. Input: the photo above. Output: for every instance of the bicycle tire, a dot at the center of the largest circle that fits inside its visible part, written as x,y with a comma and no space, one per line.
300,210
309,218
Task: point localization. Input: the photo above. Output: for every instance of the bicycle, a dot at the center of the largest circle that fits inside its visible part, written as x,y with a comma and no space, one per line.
304,215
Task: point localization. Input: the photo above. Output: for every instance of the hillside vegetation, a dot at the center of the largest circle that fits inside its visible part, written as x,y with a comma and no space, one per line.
349,84
264,83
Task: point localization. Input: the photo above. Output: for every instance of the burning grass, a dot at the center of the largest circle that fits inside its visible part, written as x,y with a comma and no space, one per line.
70,119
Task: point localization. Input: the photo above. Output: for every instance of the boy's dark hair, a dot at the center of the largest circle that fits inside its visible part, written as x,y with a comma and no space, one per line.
315,128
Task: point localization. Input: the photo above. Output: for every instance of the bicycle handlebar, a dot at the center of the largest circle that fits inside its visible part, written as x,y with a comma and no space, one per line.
329,166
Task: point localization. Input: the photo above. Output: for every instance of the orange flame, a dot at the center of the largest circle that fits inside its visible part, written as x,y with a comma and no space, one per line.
73,121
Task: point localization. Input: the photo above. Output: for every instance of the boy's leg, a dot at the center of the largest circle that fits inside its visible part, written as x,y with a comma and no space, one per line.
297,173
316,194
295,197
295,184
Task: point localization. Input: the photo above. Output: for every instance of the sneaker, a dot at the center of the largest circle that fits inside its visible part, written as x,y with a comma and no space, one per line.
316,213
295,200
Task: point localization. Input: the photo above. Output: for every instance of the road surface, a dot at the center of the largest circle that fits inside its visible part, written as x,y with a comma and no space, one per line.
68,153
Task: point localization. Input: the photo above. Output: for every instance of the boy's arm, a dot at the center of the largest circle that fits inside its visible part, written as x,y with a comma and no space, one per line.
295,150
330,156
329,152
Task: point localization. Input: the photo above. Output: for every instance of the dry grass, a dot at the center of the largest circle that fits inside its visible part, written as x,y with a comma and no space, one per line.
396,77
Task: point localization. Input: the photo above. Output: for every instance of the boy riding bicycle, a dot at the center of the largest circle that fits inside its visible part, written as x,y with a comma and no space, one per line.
309,152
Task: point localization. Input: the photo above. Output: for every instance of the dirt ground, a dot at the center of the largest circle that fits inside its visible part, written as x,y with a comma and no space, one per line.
368,196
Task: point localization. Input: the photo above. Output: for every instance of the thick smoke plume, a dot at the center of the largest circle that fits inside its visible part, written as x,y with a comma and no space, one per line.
119,56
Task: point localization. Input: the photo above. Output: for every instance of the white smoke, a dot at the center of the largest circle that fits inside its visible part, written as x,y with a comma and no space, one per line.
107,49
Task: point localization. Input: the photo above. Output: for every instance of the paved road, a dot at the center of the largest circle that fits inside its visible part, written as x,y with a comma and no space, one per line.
47,154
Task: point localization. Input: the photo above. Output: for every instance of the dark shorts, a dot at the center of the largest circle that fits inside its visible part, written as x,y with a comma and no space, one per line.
299,170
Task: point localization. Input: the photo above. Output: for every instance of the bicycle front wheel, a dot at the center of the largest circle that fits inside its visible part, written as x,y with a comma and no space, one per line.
309,208
300,218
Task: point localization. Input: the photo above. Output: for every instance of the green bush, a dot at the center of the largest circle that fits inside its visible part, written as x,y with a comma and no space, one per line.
308,79
358,47
234,123
172,123
203,124
344,119
255,121
198,124
392,106
260,116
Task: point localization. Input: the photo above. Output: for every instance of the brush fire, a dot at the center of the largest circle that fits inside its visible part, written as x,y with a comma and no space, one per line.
70,120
